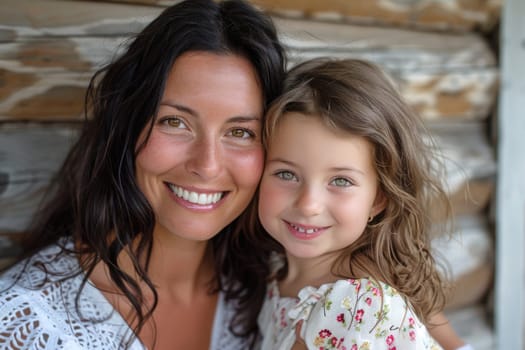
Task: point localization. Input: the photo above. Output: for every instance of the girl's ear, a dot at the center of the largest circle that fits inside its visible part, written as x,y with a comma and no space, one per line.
379,203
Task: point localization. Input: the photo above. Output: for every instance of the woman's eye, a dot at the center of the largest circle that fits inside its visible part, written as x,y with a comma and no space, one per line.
341,182
242,133
286,175
173,122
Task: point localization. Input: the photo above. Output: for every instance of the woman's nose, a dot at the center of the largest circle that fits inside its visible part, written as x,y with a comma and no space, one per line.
205,159
309,201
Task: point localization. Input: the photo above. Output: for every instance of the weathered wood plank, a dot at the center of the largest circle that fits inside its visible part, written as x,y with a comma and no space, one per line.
49,49
470,165
45,78
470,168
71,18
467,255
450,15
442,75
30,155
456,15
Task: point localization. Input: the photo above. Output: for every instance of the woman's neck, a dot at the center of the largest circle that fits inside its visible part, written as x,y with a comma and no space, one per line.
177,268
181,267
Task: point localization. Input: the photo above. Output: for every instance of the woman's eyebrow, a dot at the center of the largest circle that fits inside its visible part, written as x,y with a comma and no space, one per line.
235,119
180,107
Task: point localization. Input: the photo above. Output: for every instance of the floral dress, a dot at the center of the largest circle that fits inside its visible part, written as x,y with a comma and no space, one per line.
346,315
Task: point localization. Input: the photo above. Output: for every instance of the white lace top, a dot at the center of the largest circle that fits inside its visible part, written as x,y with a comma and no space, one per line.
36,313
348,314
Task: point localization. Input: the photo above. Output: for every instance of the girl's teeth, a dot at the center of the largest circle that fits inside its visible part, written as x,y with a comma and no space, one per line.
303,230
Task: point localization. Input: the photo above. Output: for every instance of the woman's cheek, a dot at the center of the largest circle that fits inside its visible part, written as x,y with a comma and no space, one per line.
248,167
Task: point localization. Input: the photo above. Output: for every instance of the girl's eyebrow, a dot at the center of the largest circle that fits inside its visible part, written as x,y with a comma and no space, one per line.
335,169
185,109
281,160
354,170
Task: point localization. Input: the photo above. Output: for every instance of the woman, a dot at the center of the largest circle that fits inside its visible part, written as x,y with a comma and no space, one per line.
135,247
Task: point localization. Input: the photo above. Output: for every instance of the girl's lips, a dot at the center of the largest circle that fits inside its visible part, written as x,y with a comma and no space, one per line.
305,232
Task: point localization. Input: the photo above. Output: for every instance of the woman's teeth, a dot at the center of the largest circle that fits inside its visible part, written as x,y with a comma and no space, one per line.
194,197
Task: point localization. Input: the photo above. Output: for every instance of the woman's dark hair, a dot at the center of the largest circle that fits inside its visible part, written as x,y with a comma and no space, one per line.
95,198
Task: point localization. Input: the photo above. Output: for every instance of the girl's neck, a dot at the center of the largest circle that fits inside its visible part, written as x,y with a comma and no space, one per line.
303,272
317,271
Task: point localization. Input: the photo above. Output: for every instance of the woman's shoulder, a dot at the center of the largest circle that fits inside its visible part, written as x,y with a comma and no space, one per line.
45,304
363,312
30,315
43,268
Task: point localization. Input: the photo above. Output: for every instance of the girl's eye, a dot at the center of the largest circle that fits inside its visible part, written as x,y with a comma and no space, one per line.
341,182
286,175
242,133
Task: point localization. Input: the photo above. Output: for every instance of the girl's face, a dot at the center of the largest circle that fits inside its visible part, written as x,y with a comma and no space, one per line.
204,158
318,188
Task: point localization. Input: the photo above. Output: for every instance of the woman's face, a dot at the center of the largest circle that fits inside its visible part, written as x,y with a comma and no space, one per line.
204,158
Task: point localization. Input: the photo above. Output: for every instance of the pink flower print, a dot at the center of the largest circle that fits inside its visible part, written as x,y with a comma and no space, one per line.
325,333
375,291
338,346
368,301
356,283
341,318
283,317
333,341
412,335
359,315
390,340
354,347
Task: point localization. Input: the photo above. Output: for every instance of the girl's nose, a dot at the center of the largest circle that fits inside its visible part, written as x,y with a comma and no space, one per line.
309,201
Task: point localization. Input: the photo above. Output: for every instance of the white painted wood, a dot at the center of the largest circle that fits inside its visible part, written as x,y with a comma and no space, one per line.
510,210
30,155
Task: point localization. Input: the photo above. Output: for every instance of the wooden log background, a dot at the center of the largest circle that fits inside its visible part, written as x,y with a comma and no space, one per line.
442,75
30,154
435,50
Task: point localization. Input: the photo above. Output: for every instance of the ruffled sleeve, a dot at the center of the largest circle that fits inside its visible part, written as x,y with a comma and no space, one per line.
350,314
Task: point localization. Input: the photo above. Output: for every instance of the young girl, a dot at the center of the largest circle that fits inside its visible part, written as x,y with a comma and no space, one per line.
346,193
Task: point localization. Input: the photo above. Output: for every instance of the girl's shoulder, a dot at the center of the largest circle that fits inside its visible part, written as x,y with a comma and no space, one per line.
350,293
359,312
